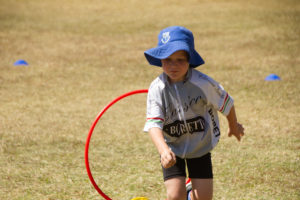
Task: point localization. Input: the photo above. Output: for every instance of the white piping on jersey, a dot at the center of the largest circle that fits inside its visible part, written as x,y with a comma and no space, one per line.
184,120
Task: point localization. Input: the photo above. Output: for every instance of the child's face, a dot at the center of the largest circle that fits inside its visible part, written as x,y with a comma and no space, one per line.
176,66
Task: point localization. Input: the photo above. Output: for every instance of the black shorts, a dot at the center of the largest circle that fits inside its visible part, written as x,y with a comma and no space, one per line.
197,168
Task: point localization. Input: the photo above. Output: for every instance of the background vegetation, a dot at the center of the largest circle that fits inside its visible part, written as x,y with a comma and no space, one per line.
83,54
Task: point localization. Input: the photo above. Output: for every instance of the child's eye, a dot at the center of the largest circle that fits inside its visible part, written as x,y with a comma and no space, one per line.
181,60
167,61
170,61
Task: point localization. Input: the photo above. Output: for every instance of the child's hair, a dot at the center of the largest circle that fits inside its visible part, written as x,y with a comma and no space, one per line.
170,40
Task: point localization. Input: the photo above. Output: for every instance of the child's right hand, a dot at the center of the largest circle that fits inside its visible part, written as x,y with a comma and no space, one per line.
167,159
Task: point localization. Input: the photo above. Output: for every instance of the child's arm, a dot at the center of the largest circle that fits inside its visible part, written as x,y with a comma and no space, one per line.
235,128
167,157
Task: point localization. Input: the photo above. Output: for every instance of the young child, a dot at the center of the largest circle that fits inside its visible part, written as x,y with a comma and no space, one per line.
182,117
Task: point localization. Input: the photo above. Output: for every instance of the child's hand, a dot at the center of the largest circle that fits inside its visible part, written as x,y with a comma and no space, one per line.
168,158
236,130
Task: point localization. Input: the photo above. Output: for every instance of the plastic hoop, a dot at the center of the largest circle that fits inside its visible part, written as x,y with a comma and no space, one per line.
87,165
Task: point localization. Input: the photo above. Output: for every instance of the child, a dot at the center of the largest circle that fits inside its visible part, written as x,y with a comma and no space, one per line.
182,117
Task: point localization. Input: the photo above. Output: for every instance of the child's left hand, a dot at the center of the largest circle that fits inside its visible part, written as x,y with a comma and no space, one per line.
237,131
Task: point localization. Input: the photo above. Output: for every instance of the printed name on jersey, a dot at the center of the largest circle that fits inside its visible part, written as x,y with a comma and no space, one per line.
216,129
178,128
173,112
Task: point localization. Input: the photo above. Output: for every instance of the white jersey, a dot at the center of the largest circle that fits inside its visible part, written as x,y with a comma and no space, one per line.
187,112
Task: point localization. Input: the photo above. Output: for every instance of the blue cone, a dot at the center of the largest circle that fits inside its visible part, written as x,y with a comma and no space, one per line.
20,62
272,77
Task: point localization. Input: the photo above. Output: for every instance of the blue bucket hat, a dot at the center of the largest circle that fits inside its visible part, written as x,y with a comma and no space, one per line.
170,40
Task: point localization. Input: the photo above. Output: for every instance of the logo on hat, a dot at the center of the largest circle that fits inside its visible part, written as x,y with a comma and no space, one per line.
165,37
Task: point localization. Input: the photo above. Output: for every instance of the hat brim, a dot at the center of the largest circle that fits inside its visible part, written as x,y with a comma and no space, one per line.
155,55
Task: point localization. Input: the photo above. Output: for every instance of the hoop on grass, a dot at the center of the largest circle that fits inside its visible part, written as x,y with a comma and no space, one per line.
87,165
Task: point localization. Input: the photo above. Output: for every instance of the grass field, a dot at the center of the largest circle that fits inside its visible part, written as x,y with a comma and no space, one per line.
83,54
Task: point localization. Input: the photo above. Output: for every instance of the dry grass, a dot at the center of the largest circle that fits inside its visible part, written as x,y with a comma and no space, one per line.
82,54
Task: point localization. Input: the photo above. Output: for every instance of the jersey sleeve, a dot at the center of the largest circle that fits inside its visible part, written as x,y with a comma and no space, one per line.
218,97
155,116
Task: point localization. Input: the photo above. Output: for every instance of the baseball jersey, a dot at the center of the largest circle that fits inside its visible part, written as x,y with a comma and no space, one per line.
187,112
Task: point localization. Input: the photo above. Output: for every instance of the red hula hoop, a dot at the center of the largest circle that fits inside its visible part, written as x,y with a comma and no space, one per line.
90,135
